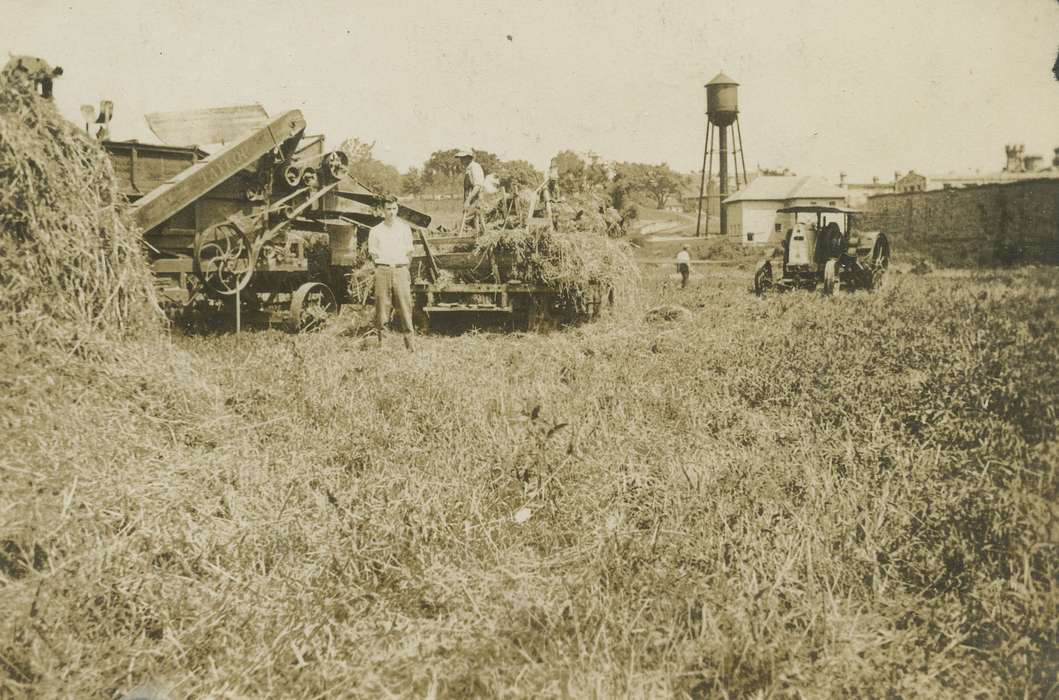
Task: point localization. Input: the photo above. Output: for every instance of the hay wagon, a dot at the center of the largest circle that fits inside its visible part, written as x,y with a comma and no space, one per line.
456,282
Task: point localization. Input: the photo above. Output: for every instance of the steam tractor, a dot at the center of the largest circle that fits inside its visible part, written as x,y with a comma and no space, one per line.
817,252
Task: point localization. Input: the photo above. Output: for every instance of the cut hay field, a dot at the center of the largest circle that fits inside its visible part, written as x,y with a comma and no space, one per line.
791,496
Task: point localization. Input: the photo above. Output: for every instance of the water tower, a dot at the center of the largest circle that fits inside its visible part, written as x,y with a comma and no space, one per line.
722,114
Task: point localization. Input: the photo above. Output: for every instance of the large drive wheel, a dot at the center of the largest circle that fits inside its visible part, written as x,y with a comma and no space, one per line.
763,279
832,281
310,307
223,259
880,262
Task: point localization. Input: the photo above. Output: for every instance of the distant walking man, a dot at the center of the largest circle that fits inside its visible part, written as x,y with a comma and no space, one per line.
473,188
390,247
684,266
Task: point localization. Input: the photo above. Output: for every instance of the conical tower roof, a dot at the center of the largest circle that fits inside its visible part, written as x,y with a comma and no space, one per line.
721,79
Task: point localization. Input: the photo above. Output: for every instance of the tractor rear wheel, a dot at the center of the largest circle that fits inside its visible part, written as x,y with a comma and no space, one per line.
880,262
763,279
832,281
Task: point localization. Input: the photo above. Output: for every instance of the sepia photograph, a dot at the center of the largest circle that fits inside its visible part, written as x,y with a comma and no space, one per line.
529,349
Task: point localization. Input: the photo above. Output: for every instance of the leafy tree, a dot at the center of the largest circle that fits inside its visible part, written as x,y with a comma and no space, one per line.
659,182
621,187
597,173
367,170
490,162
441,170
578,174
516,174
357,150
412,182
571,169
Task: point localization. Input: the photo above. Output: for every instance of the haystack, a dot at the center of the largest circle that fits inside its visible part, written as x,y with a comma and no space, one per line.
578,264
72,270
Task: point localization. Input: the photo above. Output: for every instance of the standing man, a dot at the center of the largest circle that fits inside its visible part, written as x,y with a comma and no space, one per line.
390,247
473,187
684,266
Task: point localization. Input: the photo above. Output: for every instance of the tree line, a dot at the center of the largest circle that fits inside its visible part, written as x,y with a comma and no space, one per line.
624,183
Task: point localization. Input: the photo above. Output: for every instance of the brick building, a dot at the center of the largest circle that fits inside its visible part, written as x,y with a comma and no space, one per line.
910,182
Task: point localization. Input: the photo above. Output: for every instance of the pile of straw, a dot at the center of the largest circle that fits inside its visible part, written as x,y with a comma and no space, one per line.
582,212
72,270
579,264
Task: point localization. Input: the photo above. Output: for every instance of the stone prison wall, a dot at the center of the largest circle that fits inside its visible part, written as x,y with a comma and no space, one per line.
998,224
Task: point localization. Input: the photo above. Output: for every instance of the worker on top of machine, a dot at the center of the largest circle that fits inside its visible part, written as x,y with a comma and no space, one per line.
37,70
473,189
390,248
553,183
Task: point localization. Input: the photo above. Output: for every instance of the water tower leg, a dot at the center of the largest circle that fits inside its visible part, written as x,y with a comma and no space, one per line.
709,176
739,133
722,175
735,158
702,186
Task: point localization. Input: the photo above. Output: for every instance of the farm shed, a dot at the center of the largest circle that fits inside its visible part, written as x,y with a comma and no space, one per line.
752,217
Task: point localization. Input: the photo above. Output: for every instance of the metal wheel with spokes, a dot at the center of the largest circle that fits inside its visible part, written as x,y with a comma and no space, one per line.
763,279
334,165
832,281
310,306
880,262
223,259
292,175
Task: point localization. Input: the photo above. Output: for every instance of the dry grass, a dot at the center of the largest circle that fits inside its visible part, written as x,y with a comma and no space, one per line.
796,495
788,496
73,271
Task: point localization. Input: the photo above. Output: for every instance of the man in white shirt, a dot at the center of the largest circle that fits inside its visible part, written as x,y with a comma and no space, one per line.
390,247
684,266
473,187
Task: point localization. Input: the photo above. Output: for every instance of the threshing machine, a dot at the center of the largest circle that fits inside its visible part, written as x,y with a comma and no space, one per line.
271,220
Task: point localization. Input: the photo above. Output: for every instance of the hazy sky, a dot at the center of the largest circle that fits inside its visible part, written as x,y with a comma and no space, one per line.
865,86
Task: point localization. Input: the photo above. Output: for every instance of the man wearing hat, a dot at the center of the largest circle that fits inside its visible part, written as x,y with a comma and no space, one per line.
473,185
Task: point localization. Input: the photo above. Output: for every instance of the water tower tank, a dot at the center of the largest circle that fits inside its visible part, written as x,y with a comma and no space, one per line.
722,101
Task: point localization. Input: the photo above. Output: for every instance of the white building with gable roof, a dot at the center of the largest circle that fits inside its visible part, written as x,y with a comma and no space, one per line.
752,217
